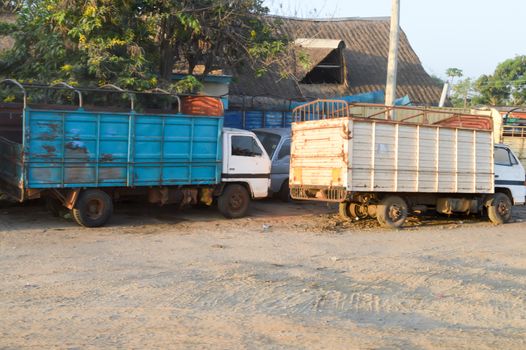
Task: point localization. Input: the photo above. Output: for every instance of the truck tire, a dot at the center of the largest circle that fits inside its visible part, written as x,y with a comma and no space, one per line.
391,212
233,202
93,208
344,209
499,211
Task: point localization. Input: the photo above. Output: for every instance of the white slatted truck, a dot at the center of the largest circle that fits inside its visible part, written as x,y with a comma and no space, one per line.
385,169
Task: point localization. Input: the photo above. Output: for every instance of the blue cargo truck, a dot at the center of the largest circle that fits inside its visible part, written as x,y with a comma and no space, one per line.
84,159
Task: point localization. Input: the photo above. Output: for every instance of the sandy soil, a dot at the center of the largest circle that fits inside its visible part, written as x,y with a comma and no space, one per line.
289,276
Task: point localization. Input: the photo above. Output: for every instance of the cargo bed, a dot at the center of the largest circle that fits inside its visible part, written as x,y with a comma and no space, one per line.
361,154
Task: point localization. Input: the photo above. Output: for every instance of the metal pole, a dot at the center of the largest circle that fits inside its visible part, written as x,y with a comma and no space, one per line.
390,88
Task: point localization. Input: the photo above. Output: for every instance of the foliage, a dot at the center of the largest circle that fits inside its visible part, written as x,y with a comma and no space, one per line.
506,86
453,73
136,43
7,28
10,6
462,93
188,84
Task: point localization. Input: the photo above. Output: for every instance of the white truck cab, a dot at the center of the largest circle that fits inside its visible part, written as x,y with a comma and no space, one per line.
245,172
510,176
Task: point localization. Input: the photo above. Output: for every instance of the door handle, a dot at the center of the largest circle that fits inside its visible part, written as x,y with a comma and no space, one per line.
496,176
231,168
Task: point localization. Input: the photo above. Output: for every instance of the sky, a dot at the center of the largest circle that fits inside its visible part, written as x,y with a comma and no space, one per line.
472,35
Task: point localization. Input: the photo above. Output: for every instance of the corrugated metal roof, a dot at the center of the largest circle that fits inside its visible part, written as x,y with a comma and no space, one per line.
367,47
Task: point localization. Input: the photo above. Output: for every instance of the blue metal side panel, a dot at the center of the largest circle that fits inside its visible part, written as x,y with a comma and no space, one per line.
90,149
254,120
273,119
288,119
234,119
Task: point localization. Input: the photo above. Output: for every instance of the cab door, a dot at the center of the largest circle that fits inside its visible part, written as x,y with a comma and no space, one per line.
247,162
509,174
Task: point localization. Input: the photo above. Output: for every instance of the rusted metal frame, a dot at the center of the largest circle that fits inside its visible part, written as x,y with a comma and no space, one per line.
384,121
130,94
67,86
170,94
414,116
386,109
71,198
20,86
425,110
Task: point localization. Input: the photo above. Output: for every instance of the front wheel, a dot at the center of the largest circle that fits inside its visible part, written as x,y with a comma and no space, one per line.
93,208
499,211
391,212
233,202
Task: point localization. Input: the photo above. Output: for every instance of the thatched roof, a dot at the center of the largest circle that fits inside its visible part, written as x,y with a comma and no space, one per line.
365,54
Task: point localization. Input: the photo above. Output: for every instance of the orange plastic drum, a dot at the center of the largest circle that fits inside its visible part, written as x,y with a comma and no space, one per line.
201,105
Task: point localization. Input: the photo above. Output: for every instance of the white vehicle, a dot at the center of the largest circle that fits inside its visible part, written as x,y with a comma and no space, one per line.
245,174
385,168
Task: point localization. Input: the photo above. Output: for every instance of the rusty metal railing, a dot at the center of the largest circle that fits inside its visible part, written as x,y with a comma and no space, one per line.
329,109
321,109
514,130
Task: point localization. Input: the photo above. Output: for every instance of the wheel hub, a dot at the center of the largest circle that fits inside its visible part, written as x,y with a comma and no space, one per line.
236,201
94,208
502,208
395,213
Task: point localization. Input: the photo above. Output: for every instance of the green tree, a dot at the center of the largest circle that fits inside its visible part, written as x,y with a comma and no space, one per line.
506,86
11,6
462,93
453,73
136,43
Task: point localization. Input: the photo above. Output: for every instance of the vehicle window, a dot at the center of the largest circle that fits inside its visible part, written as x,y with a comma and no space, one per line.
502,156
269,141
245,146
285,149
514,160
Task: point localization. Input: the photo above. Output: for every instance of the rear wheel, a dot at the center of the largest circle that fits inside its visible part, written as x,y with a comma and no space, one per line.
499,211
93,208
344,209
233,202
391,212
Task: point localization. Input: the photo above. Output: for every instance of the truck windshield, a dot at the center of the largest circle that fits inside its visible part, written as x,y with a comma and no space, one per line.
269,141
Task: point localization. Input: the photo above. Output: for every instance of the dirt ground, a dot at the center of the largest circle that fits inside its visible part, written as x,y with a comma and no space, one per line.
290,276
